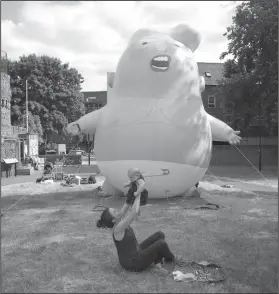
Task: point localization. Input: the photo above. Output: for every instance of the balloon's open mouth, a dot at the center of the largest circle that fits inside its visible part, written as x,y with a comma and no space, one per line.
160,63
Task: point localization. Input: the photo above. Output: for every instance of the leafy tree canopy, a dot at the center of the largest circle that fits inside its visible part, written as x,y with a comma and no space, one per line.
251,76
54,93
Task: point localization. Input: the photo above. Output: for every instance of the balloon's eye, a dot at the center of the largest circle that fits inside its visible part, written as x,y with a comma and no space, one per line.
144,43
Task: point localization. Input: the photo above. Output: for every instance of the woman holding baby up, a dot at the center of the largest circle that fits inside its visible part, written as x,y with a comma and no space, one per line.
132,255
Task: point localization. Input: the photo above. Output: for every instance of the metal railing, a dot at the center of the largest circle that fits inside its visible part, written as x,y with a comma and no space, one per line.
7,132
4,62
19,130
13,131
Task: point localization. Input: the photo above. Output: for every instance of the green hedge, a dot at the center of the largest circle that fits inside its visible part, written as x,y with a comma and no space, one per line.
66,159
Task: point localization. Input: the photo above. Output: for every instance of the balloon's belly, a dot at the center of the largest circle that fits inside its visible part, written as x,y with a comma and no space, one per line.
178,178
171,158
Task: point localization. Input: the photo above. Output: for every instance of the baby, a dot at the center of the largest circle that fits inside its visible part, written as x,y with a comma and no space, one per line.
137,187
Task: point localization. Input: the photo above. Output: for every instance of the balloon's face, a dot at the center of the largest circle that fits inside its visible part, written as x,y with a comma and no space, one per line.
152,66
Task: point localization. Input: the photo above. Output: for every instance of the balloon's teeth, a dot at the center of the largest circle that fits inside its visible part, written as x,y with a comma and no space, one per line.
160,63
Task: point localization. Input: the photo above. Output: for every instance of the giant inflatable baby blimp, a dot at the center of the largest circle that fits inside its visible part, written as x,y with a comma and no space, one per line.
154,119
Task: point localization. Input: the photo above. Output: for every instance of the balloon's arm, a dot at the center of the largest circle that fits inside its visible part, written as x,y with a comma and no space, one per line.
220,130
86,124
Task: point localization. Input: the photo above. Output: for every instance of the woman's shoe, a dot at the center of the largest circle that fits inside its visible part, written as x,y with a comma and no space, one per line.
178,260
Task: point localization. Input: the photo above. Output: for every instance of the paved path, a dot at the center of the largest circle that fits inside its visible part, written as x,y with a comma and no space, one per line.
21,179
84,170
245,178
239,177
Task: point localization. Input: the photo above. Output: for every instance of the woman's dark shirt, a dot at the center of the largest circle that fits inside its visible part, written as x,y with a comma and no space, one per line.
127,248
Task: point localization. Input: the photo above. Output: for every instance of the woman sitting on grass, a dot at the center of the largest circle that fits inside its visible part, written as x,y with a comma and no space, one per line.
133,256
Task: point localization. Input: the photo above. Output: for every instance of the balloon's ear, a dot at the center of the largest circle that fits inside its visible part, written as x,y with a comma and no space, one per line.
110,79
186,35
202,83
142,33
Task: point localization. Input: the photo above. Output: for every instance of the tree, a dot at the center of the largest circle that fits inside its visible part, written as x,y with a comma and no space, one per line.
54,93
34,124
251,77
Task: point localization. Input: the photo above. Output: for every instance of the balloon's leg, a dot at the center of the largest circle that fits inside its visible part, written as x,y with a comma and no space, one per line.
194,192
110,190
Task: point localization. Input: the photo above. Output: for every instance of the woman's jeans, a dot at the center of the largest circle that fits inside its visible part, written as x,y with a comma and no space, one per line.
152,250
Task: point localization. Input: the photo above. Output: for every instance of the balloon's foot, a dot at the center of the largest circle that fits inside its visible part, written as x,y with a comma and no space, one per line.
193,193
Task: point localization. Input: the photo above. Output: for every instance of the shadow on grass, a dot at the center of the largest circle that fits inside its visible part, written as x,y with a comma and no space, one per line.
67,253
59,212
46,200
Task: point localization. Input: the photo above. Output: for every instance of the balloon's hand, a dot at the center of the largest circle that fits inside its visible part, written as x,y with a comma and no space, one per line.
234,139
72,129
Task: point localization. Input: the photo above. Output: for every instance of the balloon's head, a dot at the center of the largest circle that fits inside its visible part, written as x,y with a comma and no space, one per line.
155,62
134,174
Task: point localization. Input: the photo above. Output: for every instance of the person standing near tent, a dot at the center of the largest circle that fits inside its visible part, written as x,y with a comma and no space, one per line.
36,162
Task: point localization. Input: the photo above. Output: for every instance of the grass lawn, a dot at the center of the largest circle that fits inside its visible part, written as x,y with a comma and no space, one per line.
50,243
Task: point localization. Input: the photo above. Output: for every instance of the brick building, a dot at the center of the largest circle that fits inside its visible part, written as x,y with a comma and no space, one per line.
11,146
262,152
212,73
94,100
16,143
212,101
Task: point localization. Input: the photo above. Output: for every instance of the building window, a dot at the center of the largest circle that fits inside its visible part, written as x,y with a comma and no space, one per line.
96,106
3,103
7,104
228,119
89,99
211,101
207,74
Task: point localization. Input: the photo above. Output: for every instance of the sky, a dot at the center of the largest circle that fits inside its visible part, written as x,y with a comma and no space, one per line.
91,35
